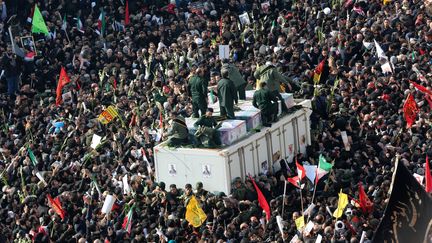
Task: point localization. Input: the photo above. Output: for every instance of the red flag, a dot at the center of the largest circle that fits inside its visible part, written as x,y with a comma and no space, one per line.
261,199
428,176
220,26
365,203
421,88
320,67
115,83
318,70
77,82
410,110
56,206
63,80
133,121
127,19
160,120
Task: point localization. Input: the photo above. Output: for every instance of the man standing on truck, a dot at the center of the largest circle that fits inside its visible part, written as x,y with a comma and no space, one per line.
207,129
198,91
270,75
266,101
178,134
235,76
227,95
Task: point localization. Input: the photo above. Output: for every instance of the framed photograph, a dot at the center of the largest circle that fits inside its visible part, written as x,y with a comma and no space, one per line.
67,97
28,44
244,19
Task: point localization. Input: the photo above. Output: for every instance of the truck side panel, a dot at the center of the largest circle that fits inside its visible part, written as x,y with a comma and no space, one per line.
208,168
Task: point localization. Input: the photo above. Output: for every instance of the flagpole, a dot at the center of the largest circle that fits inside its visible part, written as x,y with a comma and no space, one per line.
316,182
315,187
67,36
283,198
301,199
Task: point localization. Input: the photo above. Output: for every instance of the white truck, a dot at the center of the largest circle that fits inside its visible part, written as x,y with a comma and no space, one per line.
254,154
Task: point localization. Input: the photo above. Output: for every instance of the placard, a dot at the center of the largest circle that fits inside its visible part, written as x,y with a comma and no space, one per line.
28,44
244,18
224,52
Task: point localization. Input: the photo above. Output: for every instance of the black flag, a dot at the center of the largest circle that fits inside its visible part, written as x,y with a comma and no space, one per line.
408,215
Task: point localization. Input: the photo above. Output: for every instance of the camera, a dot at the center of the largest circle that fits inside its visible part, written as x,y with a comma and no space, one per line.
339,225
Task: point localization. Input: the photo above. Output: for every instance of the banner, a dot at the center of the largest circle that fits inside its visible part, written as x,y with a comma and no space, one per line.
408,215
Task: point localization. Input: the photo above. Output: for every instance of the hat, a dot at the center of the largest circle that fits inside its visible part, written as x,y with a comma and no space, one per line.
210,109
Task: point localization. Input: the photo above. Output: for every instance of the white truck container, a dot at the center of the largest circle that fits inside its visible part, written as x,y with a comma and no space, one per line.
254,154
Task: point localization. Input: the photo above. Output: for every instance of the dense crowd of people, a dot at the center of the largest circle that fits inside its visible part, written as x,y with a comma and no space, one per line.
143,69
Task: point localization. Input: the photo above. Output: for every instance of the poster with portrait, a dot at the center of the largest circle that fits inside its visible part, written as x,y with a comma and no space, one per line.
206,171
67,97
264,167
28,44
244,19
172,169
265,6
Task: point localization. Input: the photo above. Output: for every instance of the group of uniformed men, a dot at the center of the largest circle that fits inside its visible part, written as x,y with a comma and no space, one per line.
230,88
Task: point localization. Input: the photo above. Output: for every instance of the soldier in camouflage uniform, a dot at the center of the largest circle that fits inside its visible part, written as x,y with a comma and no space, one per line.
198,91
227,95
207,130
270,75
178,134
265,100
235,76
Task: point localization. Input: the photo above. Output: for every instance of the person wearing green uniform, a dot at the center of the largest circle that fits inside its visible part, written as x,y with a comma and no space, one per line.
270,75
235,76
198,91
179,133
227,95
265,100
207,130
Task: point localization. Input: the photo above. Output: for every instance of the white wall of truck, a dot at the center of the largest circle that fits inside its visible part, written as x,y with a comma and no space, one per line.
250,155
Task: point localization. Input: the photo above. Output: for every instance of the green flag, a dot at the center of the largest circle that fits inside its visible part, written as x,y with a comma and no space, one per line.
324,168
32,156
212,97
38,23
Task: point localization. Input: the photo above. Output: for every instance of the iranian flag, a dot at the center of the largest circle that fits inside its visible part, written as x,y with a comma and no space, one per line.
64,23
323,169
127,221
101,23
79,25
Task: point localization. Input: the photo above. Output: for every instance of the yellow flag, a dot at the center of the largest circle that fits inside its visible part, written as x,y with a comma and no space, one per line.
112,111
194,214
342,203
385,2
316,78
300,223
